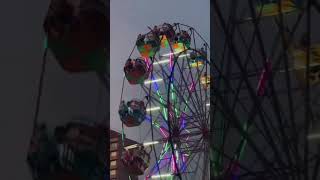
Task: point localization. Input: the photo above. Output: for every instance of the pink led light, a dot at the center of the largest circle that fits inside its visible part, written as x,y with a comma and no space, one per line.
192,87
164,132
147,62
171,114
171,60
263,79
173,166
182,121
235,167
184,158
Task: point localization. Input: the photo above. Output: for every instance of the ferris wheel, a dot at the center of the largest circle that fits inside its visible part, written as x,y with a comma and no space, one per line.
166,79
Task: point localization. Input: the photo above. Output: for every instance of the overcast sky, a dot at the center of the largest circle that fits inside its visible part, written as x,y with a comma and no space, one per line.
129,18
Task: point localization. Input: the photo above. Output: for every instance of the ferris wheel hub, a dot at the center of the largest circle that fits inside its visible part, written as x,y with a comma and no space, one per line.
205,133
176,134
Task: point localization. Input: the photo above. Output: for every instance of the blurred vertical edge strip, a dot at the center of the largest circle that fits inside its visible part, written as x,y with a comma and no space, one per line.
211,86
107,176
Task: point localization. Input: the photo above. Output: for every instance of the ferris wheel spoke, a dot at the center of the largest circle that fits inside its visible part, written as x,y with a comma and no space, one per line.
163,157
149,132
186,105
244,133
155,122
241,166
162,99
274,134
276,105
199,83
204,166
201,106
181,88
192,80
175,87
156,100
237,98
207,102
190,167
164,152
247,110
239,65
192,100
190,93
206,163
194,110
190,163
204,107
162,166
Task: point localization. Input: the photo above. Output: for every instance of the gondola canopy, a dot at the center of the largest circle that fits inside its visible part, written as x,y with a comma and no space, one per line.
136,71
182,41
271,8
132,113
77,34
198,58
136,160
300,60
148,44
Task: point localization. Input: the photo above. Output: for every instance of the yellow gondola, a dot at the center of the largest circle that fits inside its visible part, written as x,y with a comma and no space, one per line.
300,60
205,81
